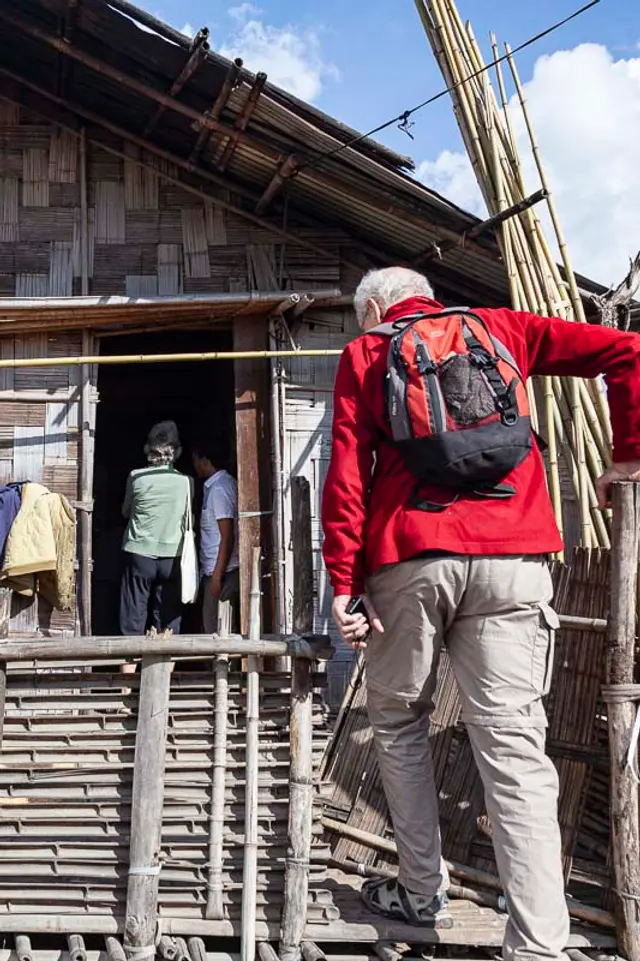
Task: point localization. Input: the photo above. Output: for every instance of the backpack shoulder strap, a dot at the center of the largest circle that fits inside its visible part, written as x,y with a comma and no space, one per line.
502,352
392,328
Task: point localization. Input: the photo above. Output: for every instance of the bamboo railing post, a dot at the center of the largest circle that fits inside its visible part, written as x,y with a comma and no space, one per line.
23,947
215,908
146,809
249,879
5,617
296,878
620,694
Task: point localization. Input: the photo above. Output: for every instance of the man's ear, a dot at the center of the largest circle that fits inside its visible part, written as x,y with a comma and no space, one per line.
373,315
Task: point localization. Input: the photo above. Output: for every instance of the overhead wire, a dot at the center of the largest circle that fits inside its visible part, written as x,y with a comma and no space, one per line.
403,119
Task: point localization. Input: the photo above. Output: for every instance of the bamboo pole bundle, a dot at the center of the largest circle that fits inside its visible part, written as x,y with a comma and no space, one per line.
573,414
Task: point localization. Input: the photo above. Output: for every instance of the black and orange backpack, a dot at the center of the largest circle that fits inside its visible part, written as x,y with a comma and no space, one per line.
456,402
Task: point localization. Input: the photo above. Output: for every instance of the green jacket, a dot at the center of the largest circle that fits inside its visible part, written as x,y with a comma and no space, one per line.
155,505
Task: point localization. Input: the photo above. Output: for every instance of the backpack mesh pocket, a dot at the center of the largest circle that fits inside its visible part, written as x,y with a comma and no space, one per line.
467,395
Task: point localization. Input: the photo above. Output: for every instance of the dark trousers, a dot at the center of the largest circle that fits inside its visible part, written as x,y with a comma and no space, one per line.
151,590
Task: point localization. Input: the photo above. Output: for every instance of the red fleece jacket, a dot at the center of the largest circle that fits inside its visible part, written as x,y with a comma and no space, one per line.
367,515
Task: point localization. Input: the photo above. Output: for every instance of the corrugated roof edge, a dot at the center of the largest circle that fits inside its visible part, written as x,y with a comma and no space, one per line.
335,128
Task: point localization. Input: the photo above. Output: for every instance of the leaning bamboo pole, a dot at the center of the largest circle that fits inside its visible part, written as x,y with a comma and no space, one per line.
573,414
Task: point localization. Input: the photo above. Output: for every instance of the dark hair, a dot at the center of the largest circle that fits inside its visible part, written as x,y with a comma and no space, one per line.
215,450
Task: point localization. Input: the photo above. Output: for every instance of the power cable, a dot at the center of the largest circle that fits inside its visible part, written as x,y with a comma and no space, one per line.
403,119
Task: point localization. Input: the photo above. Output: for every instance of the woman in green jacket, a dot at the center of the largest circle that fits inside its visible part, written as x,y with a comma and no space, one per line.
156,502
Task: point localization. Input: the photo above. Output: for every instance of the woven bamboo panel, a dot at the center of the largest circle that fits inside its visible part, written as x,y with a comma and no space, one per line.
194,240
63,158
35,177
8,210
61,479
22,415
141,186
69,834
6,443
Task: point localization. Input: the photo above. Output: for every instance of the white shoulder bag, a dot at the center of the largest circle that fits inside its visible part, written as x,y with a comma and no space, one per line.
189,557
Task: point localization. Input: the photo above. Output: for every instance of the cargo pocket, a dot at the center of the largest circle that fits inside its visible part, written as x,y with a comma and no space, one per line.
544,649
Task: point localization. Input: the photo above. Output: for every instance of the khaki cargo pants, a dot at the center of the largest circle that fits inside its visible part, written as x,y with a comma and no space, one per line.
493,615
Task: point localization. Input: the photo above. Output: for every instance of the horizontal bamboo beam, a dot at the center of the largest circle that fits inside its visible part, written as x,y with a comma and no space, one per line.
312,647
111,360
597,624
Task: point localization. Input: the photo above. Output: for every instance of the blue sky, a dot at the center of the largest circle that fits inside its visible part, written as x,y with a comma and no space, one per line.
363,66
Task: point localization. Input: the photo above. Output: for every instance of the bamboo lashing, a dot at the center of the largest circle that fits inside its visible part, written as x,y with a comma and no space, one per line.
573,413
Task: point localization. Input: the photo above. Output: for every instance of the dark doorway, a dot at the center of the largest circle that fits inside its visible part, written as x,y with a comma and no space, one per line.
198,396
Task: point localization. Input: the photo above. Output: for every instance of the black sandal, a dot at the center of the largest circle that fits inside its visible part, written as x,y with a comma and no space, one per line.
390,899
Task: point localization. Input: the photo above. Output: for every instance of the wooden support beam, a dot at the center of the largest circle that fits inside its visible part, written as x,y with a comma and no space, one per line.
196,57
440,247
230,83
621,698
146,809
252,402
242,121
296,883
285,170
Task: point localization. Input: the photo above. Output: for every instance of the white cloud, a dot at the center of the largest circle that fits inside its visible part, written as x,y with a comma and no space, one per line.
243,11
188,31
290,56
585,108
452,176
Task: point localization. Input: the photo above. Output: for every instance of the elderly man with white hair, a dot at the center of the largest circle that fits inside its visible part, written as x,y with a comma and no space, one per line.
438,526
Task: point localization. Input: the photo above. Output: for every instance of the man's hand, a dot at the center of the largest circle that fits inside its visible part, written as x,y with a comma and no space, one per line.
216,585
628,471
353,628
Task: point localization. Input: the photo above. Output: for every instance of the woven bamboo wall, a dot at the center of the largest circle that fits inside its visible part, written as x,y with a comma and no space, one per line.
148,237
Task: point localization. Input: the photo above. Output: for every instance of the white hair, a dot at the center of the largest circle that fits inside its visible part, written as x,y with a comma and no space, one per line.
387,287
